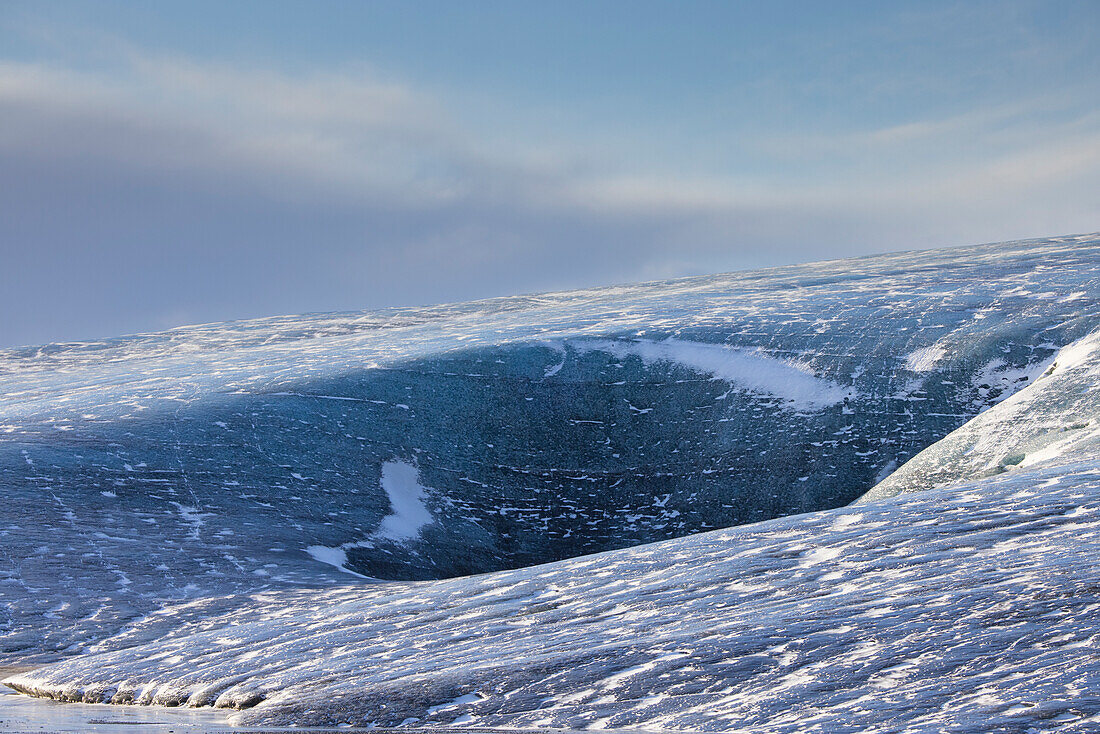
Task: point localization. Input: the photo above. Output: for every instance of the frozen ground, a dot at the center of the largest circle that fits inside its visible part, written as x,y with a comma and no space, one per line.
255,470
250,456
973,608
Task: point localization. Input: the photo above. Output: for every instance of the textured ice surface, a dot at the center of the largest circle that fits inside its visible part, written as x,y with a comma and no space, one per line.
401,482
1058,423
970,609
250,457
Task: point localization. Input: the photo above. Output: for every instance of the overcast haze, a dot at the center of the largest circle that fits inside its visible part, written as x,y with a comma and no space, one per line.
172,163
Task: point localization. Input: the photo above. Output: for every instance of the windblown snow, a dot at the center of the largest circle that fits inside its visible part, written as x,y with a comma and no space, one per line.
925,358
335,557
627,507
794,383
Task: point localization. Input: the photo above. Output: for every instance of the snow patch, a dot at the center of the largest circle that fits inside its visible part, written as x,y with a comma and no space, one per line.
847,520
924,359
401,482
822,554
749,369
337,557
617,679
1077,354
194,517
466,700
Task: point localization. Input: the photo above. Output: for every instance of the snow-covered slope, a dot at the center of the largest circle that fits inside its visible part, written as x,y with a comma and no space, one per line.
1055,420
302,452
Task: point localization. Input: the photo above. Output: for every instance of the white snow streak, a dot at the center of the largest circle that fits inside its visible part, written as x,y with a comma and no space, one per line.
337,557
748,369
924,359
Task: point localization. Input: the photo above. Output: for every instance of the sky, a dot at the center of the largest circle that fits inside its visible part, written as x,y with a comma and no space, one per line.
173,163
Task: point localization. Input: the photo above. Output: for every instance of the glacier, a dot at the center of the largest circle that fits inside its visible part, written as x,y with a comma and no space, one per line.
1030,428
652,484
969,609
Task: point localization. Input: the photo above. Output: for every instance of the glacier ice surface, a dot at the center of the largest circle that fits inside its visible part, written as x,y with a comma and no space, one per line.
247,469
962,609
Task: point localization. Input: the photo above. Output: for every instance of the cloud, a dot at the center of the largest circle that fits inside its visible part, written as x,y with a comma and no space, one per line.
348,133
154,189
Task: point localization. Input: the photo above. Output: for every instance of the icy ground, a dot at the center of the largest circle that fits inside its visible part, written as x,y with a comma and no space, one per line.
975,608
231,458
1057,419
22,715
960,594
